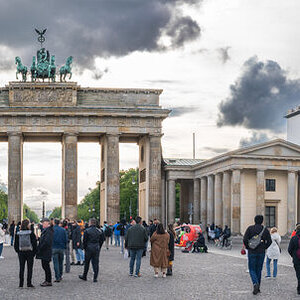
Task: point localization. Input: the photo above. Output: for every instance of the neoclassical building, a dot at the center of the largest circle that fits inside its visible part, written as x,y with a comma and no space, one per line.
232,188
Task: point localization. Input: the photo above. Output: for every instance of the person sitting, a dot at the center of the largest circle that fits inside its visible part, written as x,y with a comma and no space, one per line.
200,244
226,235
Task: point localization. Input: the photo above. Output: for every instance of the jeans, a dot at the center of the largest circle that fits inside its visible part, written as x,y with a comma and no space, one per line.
79,255
46,268
122,243
269,268
67,253
135,254
58,262
26,256
1,248
91,254
12,240
297,269
255,265
117,240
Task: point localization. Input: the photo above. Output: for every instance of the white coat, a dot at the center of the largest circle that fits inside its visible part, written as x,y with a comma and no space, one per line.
273,252
2,236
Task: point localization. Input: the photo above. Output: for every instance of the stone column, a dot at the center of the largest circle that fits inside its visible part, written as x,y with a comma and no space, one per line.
260,192
291,202
112,178
69,176
196,204
218,199
203,201
210,199
226,193
15,176
171,201
236,202
155,177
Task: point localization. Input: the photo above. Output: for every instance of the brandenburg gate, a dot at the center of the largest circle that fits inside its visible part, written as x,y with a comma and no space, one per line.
67,113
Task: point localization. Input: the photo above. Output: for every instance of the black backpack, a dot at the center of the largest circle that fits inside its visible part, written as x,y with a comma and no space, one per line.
24,240
108,231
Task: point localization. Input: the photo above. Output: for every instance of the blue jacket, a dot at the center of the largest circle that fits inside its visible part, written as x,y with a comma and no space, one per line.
116,232
60,238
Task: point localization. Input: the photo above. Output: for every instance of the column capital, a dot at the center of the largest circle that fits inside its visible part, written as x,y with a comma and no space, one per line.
155,135
14,133
261,169
70,133
293,171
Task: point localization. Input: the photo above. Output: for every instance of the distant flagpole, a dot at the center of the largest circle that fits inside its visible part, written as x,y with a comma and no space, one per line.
194,145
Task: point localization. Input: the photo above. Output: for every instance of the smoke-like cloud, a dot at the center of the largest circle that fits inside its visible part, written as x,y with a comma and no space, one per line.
255,138
94,28
260,97
182,110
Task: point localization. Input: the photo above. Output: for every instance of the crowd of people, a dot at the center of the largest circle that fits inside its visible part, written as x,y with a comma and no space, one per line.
62,240
59,240
216,234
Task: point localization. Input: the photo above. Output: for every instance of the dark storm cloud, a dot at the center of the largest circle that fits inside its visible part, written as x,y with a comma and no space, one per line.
92,28
254,139
224,55
182,110
260,97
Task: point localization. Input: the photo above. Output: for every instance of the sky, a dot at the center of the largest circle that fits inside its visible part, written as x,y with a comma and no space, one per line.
229,69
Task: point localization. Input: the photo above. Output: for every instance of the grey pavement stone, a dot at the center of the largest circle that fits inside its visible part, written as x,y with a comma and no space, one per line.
196,276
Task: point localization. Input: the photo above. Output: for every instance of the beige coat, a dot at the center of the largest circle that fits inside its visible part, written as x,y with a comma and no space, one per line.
159,250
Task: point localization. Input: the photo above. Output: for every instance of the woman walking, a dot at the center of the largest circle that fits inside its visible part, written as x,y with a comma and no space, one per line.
273,252
25,245
159,259
172,234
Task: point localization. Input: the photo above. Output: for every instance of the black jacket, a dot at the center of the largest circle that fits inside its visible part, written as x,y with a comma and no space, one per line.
12,229
76,237
33,243
136,237
171,246
265,239
44,249
152,229
293,247
93,238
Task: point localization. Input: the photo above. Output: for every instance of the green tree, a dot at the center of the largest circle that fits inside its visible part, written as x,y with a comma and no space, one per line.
3,205
128,193
56,213
29,214
89,207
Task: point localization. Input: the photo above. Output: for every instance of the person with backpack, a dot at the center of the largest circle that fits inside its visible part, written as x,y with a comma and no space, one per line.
44,250
121,228
25,245
294,251
107,234
117,234
256,239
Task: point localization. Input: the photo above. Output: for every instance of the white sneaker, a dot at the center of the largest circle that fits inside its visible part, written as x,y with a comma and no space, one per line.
156,275
1,257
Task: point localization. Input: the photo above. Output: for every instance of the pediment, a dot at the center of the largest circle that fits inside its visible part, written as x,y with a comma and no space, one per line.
273,148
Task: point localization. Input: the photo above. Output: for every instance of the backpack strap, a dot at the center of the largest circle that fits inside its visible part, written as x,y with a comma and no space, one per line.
261,233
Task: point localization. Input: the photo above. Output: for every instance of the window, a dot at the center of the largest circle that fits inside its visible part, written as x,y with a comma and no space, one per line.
270,185
270,215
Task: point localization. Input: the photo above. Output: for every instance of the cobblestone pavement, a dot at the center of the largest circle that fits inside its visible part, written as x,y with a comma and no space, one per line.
196,276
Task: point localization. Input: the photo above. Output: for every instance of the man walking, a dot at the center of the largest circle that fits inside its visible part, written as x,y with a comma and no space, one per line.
107,233
77,243
12,232
58,249
93,239
257,239
135,240
44,250
153,227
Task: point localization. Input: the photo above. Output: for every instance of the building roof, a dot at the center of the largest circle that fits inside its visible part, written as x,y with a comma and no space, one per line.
181,161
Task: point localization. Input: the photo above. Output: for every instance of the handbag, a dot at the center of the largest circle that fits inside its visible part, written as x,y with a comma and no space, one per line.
255,241
278,246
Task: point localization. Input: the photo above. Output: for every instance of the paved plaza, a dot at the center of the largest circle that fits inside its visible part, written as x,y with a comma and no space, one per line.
220,274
